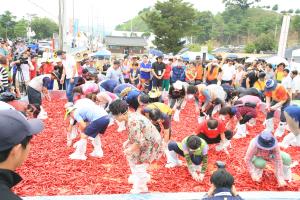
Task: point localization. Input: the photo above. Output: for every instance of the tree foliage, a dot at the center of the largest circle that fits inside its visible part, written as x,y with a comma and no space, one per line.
171,21
242,4
137,23
265,42
13,28
7,24
296,25
43,27
275,7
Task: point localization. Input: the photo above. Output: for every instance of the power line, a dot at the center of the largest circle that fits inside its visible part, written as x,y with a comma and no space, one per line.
43,9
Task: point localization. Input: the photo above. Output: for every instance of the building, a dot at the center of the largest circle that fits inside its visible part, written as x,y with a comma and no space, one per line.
126,45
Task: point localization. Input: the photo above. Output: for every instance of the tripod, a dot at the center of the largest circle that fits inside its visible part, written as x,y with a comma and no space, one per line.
21,82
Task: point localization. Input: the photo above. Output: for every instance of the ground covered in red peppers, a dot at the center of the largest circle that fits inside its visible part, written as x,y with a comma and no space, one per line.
49,171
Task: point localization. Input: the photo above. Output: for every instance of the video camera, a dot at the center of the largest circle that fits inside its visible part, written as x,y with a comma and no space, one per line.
23,60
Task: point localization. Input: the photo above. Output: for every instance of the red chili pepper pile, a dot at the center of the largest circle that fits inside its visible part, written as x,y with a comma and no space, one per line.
49,171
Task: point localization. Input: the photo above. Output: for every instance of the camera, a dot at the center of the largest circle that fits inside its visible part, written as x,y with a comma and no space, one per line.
23,60
220,164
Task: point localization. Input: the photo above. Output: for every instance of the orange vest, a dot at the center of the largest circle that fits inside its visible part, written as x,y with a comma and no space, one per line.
199,70
213,75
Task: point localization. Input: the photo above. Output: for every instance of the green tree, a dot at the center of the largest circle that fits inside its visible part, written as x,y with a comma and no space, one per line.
243,4
7,24
171,21
290,11
250,48
297,11
137,23
43,27
275,7
265,42
203,26
20,28
296,25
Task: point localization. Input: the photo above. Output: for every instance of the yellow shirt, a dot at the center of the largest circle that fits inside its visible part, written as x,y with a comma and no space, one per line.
260,85
161,106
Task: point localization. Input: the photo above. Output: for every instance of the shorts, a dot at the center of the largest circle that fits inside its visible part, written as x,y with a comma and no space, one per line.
166,84
97,126
157,82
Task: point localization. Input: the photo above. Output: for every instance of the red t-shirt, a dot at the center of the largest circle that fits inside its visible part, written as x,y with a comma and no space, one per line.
33,72
167,74
211,133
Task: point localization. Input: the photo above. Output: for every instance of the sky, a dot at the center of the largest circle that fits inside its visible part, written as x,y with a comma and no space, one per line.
109,13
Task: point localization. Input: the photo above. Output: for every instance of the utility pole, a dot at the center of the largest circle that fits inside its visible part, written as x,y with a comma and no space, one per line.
61,18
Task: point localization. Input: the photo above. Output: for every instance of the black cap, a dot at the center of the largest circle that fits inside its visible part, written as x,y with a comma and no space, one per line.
116,62
60,52
56,74
15,128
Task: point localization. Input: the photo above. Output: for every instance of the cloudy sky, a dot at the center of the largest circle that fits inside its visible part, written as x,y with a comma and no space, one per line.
111,12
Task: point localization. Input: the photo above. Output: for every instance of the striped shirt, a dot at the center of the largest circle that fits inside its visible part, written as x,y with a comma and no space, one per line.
3,78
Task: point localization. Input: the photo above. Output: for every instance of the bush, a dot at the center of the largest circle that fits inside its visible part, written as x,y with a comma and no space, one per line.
250,48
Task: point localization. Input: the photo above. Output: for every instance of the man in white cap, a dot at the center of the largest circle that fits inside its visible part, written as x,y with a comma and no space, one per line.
15,135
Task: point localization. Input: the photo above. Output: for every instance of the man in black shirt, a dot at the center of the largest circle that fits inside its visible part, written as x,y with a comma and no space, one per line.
15,135
158,71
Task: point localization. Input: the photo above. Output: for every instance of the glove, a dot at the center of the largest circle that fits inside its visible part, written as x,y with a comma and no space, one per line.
201,176
195,176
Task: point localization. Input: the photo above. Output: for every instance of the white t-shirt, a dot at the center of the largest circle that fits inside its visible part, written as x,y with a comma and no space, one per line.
228,72
38,82
287,82
296,84
68,64
25,71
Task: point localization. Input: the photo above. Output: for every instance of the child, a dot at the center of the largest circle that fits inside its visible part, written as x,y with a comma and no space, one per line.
166,80
194,150
134,74
191,73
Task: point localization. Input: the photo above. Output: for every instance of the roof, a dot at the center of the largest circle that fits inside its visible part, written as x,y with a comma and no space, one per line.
125,41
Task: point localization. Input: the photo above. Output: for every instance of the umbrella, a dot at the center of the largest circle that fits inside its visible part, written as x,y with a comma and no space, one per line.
210,57
275,60
156,52
232,56
102,52
185,57
250,60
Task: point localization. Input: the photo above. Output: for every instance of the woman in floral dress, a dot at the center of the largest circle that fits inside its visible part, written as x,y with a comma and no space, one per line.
144,144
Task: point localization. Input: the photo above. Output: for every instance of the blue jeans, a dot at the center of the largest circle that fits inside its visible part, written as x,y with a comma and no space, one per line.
69,88
173,146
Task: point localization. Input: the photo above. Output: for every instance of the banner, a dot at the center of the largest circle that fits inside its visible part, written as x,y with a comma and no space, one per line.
284,35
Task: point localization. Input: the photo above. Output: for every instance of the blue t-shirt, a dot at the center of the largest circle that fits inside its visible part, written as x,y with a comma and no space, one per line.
89,113
294,112
109,85
121,87
145,75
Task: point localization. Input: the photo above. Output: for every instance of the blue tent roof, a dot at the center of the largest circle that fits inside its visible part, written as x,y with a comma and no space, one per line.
156,52
103,52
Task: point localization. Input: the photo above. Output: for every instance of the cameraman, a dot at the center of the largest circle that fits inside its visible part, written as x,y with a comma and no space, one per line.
222,185
21,71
